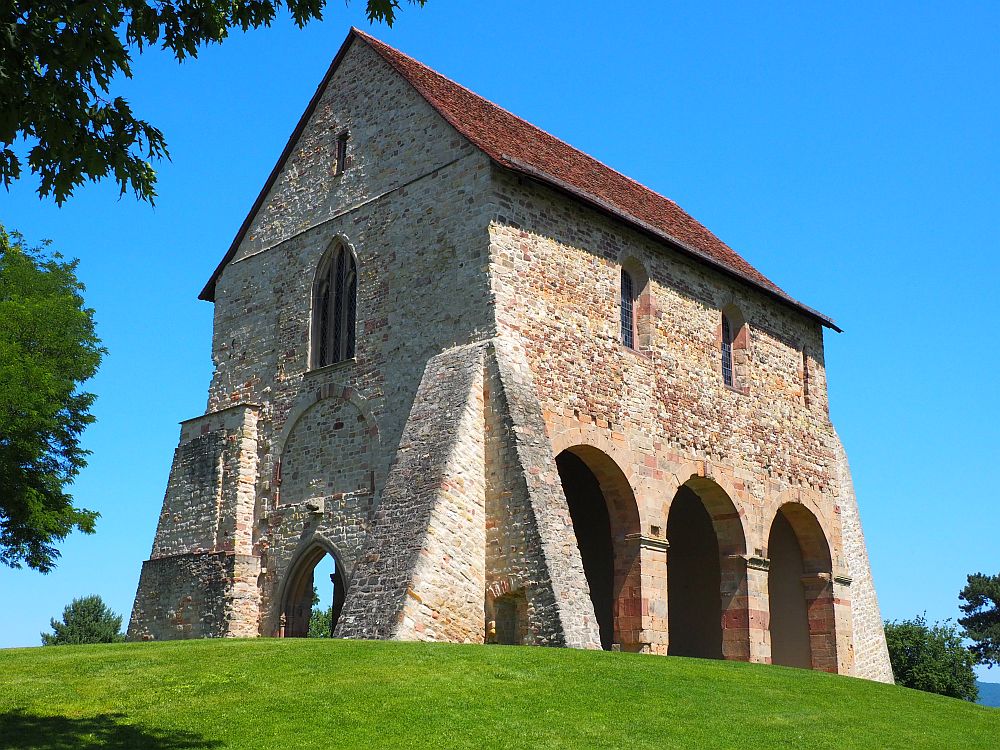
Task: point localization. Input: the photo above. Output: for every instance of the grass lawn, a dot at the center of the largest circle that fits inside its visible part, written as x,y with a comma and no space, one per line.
296,694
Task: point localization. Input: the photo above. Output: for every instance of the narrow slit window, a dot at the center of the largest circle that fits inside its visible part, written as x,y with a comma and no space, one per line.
335,308
727,352
341,152
805,375
628,310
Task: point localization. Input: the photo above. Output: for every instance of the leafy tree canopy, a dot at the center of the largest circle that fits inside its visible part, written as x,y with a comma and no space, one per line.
48,347
86,620
57,62
982,616
320,620
931,658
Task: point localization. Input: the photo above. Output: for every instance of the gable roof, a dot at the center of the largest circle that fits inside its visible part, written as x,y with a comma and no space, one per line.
527,150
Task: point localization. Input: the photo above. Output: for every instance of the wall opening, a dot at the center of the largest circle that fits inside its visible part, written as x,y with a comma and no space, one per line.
592,526
510,619
694,579
788,616
800,591
314,596
606,523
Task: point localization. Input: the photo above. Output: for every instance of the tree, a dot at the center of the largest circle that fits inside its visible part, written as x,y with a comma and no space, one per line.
85,620
321,623
320,620
48,347
982,616
932,659
57,62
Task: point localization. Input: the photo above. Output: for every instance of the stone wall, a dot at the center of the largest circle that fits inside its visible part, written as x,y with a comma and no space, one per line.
661,410
407,207
421,575
871,655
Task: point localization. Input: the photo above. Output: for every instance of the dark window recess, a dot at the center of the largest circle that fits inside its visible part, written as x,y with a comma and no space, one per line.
727,352
805,375
335,303
341,152
628,310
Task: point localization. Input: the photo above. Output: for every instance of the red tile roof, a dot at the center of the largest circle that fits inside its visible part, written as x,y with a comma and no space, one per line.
523,148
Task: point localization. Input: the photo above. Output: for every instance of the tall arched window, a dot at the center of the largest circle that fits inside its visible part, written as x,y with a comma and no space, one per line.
335,295
733,337
628,310
727,351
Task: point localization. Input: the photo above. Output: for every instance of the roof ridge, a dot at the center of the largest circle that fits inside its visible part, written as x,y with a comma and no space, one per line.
519,146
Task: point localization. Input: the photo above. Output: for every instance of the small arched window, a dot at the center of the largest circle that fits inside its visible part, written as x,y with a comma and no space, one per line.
727,351
628,298
733,339
335,295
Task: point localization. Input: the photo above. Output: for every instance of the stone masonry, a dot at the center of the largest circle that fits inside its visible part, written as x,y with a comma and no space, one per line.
497,462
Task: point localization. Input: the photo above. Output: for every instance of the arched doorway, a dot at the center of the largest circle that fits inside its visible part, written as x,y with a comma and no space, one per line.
800,591
305,593
606,523
707,613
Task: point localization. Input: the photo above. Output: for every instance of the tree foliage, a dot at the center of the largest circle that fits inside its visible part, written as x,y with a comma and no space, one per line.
86,620
48,347
58,59
982,616
321,623
320,620
931,658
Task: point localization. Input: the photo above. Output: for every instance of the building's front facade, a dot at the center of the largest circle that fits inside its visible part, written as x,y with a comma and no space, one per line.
518,397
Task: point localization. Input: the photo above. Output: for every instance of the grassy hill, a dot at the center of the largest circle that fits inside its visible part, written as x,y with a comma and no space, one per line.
297,694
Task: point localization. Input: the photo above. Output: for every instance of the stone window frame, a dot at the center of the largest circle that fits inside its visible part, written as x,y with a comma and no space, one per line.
738,353
341,157
641,305
333,318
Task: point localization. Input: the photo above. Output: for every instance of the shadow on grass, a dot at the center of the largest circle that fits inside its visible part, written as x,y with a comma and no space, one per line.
26,731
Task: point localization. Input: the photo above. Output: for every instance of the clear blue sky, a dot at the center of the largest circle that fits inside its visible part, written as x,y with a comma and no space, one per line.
850,152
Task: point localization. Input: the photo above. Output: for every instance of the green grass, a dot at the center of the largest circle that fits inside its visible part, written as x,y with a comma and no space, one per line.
296,694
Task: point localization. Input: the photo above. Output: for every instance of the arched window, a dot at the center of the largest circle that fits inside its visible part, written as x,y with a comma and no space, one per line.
727,351
733,339
628,309
335,295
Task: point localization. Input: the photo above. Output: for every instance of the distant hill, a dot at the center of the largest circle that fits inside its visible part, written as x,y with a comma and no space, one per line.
989,693
327,694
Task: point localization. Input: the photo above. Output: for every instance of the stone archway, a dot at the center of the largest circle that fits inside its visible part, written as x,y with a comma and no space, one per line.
605,519
707,605
800,591
297,593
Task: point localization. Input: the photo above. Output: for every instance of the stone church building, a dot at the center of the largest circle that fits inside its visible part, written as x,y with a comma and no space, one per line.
519,399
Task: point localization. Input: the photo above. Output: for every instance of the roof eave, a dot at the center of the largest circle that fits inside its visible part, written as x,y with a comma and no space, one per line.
519,167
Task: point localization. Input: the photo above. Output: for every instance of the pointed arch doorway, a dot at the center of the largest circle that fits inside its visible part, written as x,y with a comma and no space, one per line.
303,592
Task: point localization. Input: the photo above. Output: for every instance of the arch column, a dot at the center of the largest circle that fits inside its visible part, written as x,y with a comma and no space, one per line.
758,618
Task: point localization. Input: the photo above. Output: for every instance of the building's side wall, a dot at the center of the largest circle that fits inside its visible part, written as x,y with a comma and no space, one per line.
555,270
871,655
412,208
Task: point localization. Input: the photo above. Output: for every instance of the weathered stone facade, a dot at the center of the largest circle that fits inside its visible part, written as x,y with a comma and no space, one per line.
494,464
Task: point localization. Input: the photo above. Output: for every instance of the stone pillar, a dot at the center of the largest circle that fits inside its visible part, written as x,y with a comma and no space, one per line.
818,591
758,609
735,615
653,635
